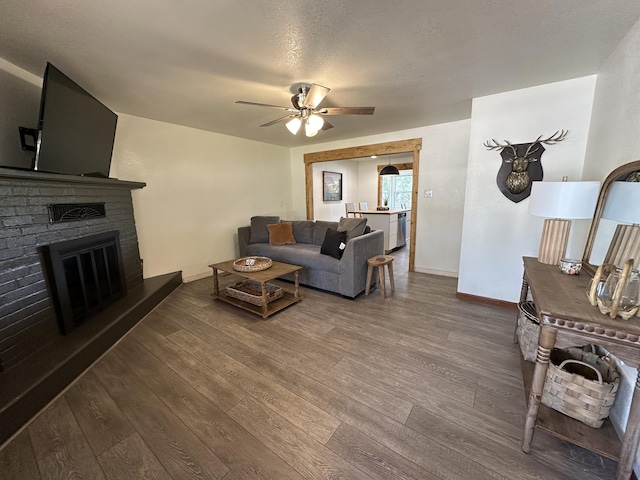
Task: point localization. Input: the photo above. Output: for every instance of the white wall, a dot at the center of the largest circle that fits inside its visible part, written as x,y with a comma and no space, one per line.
613,141
614,138
442,170
201,187
442,161
368,181
333,210
497,232
19,105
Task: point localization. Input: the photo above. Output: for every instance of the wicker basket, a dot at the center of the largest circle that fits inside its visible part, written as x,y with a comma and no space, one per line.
528,330
252,264
250,291
581,385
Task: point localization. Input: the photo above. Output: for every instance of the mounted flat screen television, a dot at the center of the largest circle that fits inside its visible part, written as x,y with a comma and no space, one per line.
75,130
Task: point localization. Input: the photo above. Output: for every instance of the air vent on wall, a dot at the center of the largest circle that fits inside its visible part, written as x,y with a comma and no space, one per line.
70,212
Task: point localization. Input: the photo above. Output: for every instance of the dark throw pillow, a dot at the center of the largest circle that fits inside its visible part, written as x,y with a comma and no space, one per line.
259,232
281,234
334,243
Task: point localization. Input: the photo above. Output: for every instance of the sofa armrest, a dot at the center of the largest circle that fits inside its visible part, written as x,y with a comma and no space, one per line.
353,266
244,237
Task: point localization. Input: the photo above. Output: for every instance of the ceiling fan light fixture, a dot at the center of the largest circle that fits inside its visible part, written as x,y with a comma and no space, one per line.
315,121
305,109
294,124
312,125
309,131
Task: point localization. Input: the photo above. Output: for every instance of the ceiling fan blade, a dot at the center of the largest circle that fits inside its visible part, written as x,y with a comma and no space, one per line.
347,111
277,120
326,125
266,105
315,95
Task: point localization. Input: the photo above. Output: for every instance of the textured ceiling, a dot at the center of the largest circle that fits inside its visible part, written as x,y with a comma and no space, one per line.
418,62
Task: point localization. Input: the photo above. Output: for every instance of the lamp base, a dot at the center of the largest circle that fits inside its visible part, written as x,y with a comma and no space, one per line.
624,245
553,244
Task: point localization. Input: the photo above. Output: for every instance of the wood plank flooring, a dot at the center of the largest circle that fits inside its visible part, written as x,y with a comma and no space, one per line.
420,385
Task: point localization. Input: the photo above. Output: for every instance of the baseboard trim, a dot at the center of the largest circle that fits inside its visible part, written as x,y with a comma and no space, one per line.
489,301
198,276
442,273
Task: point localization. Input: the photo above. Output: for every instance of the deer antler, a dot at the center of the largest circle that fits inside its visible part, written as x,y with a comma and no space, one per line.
496,145
555,138
528,152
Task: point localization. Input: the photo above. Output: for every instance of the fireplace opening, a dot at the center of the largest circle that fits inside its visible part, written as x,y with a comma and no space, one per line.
85,276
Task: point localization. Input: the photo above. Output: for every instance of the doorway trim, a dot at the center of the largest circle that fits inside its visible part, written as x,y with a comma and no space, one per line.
413,145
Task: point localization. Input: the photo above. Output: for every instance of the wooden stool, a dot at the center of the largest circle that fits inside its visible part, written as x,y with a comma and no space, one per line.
380,261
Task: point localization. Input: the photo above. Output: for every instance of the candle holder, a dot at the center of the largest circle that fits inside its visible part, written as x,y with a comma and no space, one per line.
619,294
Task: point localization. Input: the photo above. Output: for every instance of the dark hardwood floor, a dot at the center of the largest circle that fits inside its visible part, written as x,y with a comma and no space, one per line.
420,385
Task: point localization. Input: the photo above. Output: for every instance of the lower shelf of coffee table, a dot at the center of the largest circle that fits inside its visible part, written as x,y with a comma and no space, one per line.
603,440
287,299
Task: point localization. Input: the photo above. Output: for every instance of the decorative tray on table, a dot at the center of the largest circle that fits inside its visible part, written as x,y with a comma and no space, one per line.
252,264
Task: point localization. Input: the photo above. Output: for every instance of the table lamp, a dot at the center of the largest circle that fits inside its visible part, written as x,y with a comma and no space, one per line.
623,205
559,203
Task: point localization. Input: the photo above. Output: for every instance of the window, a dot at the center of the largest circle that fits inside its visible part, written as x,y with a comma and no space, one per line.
396,190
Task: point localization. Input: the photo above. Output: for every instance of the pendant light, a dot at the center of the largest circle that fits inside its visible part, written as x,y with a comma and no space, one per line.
389,169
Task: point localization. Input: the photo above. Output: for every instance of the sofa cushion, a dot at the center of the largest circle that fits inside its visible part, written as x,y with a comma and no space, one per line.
334,243
320,230
281,234
304,254
302,230
259,232
353,226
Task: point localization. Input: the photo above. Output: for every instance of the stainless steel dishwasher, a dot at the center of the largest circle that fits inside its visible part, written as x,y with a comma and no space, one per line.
402,230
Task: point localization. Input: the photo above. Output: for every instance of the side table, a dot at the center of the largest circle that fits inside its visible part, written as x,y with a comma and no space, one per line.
380,261
567,319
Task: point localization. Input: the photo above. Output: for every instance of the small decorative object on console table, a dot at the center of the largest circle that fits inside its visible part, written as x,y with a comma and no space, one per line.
569,266
619,294
567,320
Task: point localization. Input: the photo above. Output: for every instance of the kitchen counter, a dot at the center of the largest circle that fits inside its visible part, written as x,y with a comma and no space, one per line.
387,221
383,212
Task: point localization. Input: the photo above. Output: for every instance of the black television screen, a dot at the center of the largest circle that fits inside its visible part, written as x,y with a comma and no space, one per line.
75,130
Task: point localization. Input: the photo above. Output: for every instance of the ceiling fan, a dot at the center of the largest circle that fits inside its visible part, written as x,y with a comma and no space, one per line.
307,113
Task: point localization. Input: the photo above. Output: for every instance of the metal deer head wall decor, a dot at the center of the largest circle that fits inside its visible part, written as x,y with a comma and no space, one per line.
521,164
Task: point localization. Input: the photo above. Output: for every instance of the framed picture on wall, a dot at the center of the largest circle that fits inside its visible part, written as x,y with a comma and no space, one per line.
332,186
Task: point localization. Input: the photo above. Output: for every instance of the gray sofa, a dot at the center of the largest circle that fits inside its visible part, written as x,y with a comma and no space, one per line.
346,276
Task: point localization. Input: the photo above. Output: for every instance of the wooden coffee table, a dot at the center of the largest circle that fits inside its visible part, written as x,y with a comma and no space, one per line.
278,269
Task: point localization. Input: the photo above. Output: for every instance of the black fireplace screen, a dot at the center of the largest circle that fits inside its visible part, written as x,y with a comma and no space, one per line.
86,275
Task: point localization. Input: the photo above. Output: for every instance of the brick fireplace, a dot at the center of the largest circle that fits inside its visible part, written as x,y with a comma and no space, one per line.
28,319
88,224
